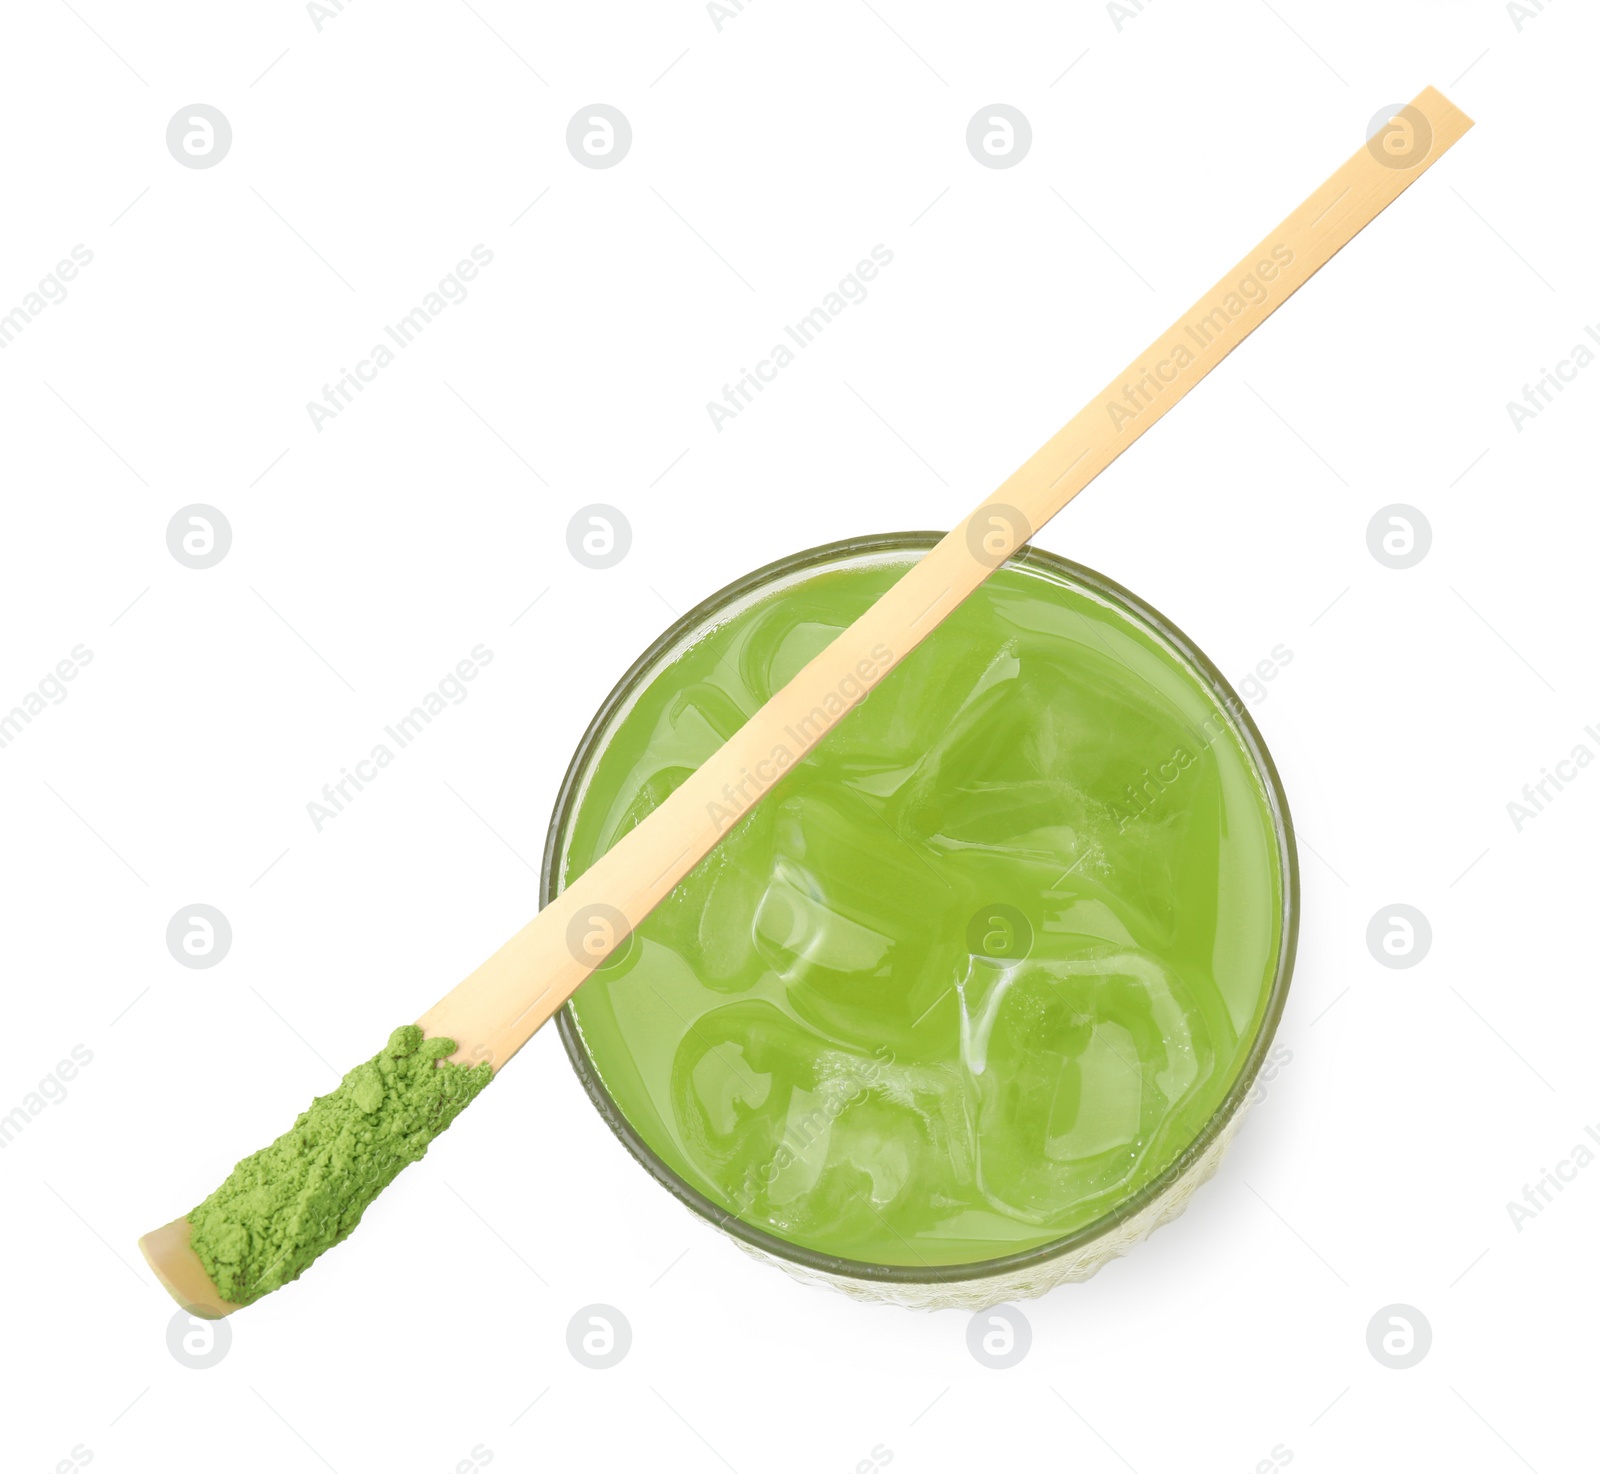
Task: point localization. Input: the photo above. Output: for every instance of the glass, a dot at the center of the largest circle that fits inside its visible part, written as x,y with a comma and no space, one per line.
1073,1255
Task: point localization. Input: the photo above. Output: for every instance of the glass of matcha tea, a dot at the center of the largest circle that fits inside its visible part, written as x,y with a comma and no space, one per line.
973,999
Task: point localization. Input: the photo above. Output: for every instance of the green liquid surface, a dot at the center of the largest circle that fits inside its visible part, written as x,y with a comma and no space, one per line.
979,968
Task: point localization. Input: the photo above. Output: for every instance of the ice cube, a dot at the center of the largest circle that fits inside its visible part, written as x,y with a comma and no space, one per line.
857,922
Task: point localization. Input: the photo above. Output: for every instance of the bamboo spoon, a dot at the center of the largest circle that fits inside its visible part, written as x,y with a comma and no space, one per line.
496,1009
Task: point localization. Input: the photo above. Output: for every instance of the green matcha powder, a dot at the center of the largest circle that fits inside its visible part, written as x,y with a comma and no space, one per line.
291,1201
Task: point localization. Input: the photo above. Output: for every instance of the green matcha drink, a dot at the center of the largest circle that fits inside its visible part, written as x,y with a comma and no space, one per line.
983,971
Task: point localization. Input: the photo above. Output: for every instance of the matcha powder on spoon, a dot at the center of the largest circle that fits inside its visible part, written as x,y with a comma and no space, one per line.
289,1202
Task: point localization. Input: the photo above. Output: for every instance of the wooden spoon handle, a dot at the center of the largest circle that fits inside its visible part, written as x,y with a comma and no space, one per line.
497,1008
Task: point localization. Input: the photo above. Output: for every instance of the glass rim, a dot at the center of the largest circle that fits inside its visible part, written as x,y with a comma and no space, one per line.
1238,716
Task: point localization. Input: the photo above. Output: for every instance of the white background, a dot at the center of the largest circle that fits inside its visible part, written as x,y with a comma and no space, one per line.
368,557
